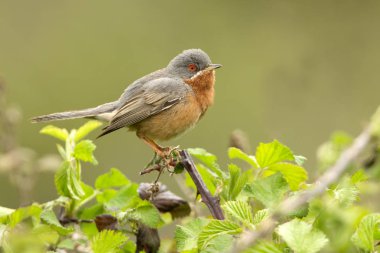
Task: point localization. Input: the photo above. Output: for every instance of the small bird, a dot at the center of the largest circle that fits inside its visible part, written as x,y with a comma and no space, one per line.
160,105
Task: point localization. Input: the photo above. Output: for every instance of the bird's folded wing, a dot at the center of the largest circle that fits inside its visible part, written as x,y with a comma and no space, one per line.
156,96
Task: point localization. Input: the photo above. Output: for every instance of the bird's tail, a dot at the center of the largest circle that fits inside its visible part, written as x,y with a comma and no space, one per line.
85,113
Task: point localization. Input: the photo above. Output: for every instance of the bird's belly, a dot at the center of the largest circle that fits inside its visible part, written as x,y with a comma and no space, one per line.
171,122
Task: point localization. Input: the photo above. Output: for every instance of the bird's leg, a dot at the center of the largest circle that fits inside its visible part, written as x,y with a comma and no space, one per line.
161,151
168,156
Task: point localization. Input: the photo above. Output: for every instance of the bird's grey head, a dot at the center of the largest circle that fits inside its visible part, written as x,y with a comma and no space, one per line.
190,62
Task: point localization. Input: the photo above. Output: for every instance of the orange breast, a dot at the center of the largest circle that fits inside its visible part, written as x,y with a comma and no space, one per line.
203,87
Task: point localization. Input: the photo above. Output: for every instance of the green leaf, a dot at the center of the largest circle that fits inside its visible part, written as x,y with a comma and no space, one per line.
260,216
235,153
74,184
302,237
264,247
268,154
236,181
186,237
216,228
113,178
67,244
124,198
108,241
346,194
364,236
295,175
91,212
67,182
87,128
145,212
240,210
84,151
55,132
61,179
23,213
219,244
269,191
358,177
49,217
207,159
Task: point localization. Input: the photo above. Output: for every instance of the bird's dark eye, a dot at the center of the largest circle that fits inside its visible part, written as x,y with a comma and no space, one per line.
192,67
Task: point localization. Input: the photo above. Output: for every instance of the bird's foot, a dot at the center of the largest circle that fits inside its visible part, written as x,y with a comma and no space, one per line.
164,158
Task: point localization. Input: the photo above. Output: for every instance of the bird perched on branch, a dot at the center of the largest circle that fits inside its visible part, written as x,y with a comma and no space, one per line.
160,105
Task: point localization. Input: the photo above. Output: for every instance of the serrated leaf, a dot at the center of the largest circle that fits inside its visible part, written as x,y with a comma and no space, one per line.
108,241
55,132
268,154
240,210
67,244
302,237
219,244
186,236
359,176
269,191
264,247
74,184
207,159
145,213
61,180
216,228
295,175
87,128
346,195
84,151
235,153
49,217
67,182
364,236
33,211
124,198
260,216
91,212
113,178
236,181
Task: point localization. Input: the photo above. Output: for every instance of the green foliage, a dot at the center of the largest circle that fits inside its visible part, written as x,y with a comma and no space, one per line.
301,237
271,153
367,232
108,241
187,236
269,191
97,217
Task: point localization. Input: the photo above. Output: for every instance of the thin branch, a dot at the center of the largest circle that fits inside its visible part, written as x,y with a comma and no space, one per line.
211,202
320,186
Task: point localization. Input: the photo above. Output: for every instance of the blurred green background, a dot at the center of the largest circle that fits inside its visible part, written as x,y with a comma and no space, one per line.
292,70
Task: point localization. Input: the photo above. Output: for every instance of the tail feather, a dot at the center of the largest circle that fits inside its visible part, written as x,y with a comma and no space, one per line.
90,112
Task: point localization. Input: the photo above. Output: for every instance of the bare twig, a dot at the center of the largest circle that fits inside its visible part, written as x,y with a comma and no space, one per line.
320,186
211,202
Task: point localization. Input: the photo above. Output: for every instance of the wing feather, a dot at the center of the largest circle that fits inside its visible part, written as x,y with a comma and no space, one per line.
155,97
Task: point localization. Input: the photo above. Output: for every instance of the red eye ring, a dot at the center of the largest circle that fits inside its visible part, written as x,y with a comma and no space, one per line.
192,67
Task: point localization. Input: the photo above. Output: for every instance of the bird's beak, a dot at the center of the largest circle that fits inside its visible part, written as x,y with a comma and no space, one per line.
214,66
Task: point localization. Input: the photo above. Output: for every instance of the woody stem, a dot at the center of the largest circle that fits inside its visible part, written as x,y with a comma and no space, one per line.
211,202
